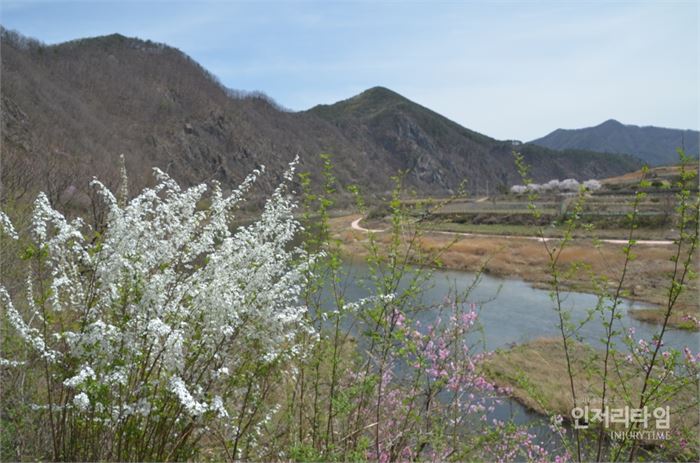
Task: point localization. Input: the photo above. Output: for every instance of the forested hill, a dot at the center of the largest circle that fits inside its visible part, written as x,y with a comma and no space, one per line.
69,110
654,145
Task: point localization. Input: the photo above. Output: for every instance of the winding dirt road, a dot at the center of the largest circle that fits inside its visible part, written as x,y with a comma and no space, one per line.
355,225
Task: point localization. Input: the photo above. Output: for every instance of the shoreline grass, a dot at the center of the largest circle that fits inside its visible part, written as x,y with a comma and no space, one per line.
535,373
522,258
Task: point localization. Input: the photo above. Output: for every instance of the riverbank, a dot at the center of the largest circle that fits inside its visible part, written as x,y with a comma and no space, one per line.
536,374
526,258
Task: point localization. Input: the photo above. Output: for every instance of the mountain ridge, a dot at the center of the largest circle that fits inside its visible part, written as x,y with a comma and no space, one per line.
70,109
654,145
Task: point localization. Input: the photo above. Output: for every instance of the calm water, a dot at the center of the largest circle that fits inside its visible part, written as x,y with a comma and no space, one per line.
512,311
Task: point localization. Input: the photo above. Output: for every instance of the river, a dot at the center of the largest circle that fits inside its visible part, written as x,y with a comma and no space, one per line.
511,311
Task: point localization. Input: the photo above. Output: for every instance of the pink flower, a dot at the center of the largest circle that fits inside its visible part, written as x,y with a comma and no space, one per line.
400,319
689,357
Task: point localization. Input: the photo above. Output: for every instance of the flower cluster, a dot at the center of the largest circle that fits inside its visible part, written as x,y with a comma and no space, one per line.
513,443
569,184
166,304
433,374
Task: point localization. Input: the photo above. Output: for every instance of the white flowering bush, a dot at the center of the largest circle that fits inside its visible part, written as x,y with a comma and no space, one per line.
529,188
552,185
569,184
143,337
592,185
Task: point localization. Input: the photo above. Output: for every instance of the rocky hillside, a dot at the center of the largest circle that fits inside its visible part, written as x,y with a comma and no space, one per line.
439,152
654,145
69,110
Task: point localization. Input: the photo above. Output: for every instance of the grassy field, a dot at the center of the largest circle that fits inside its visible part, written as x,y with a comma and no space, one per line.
659,174
646,280
536,372
550,231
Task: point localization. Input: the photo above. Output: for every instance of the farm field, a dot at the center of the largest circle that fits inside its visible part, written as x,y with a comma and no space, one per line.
605,212
602,212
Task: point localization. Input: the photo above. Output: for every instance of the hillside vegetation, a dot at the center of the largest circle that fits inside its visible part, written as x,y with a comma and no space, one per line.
654,145
70,109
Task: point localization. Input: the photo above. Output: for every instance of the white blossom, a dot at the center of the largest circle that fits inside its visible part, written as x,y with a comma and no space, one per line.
592,185
81,401
178,387
123,181
31,335
569,184
85,373
157,327
117,377
380,299
11,363
6,226
217,405
165,283
551,185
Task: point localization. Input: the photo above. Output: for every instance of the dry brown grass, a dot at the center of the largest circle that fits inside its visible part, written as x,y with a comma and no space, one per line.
536,372
636,176
647,276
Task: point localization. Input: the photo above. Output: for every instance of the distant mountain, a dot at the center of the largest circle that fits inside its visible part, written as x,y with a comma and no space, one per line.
654,145
69,110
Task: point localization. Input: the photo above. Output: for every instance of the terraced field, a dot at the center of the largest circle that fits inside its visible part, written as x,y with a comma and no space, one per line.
608,211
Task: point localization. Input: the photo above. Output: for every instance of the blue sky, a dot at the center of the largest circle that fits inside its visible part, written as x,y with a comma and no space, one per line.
509,69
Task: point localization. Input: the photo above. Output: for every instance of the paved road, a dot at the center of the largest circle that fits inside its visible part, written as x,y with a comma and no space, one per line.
356,226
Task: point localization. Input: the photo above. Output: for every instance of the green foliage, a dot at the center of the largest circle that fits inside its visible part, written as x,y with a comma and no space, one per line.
661,380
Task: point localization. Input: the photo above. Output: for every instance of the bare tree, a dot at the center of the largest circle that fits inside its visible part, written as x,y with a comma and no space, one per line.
16,177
